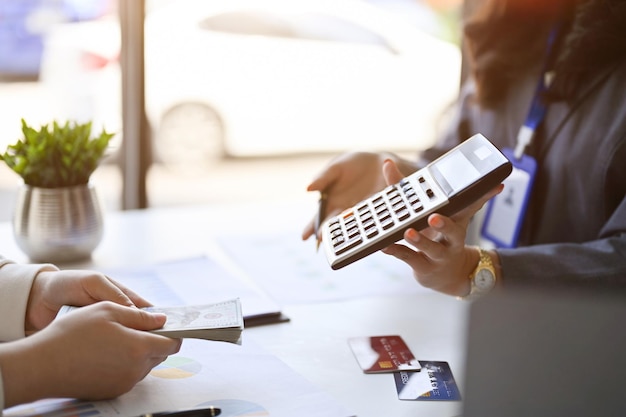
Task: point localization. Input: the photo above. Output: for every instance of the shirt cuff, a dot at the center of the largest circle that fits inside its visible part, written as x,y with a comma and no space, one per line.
16,281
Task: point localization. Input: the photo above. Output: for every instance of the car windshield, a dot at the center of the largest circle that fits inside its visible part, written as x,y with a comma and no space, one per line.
311,26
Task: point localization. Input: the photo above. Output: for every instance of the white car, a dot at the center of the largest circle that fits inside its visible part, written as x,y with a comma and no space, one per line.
271,77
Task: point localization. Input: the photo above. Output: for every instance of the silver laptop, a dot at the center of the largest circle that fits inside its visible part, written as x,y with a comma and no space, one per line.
556,353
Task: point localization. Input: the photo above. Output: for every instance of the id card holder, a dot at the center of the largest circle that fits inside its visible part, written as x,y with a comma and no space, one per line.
506,211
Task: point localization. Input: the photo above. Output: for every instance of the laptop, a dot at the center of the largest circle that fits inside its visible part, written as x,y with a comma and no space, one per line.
553,353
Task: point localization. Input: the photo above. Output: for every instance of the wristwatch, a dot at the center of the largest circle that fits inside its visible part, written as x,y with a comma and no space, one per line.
483,279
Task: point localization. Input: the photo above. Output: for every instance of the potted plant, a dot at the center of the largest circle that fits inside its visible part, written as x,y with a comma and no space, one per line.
57,217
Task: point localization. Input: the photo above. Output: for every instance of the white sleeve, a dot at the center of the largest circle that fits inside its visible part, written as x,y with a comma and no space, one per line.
15,283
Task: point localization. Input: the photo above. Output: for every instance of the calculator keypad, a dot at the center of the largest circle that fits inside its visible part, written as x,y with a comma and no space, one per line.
391,208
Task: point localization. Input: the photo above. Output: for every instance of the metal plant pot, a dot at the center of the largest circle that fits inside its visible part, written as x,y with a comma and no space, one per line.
58,224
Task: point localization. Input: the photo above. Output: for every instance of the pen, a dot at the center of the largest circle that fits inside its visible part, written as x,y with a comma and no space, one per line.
197,412
321,212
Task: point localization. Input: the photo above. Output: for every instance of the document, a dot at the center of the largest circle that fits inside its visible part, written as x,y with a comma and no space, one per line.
291,271
198,281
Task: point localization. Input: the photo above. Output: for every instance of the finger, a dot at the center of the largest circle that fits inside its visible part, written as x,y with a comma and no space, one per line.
135,298
416,260
451,234
164,346
309,229
391,172
138,319
101,288
324,180
422,243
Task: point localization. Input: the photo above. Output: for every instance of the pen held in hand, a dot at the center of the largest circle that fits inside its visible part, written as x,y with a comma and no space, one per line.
321,212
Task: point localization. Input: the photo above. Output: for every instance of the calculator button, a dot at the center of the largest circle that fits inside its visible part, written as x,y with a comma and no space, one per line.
381,212
349,244
353,232
338,240
368,223
371,232
366,217
399,206
351,223
418,207
396,200
430,193
414,199
386,223
403,214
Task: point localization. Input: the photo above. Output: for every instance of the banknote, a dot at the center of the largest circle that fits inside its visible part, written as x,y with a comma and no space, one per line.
221,321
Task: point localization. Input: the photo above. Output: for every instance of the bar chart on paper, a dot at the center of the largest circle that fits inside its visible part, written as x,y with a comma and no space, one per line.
61,408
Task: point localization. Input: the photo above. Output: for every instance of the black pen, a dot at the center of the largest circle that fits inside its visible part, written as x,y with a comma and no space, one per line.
196,412
321,212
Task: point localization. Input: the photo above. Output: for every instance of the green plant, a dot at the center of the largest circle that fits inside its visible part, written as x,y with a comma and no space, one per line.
57,156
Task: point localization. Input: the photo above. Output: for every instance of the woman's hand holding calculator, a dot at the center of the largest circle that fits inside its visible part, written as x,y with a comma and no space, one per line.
350,178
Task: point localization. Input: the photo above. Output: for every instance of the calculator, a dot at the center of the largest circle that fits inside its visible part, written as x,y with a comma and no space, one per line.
446,185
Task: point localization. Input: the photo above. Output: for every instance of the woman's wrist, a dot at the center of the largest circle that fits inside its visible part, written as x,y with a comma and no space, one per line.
485,272
23,374
471,259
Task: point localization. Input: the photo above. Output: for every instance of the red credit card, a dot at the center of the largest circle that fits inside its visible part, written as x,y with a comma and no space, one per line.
383,354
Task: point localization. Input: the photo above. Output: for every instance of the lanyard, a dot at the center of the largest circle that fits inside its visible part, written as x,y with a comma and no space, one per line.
538,107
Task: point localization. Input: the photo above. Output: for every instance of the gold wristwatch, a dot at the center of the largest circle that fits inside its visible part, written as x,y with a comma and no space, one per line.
483,279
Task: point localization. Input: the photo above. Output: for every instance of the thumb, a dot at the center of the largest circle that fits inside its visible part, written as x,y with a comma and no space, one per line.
391,172
137,319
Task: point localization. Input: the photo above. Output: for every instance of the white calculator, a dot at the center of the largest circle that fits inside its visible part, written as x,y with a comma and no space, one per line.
446,185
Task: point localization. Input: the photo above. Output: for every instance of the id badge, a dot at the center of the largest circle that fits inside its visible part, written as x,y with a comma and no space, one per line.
505,212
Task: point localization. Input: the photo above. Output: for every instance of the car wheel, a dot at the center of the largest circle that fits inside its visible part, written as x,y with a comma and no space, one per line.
190,137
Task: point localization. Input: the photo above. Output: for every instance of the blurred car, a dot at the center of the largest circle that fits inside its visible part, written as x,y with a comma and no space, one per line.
262,78
258,78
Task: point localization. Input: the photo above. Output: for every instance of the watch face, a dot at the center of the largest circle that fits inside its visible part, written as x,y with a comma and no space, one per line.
484,279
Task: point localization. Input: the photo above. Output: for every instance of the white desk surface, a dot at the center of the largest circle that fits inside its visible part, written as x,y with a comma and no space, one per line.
314,342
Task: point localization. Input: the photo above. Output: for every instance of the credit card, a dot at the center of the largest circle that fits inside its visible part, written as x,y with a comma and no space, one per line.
376,354
434,383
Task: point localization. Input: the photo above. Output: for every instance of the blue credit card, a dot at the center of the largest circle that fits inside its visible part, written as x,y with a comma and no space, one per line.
434,382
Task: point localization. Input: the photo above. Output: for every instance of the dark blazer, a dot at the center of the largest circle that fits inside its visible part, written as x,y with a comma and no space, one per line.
575,227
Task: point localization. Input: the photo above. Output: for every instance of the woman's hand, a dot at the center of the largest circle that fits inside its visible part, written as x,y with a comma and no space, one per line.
350,178
53,289
439,257
96,352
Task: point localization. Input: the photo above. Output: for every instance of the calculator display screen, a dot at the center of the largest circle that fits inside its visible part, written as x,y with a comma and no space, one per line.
458,171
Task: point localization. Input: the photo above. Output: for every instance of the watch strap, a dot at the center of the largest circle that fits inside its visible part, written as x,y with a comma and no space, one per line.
484,263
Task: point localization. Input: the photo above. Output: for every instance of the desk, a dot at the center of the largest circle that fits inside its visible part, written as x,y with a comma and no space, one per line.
314,342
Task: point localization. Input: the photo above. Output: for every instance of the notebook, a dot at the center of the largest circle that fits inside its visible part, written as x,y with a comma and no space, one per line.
546,354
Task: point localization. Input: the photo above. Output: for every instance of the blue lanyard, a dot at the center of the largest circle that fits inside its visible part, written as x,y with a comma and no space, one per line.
538,108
